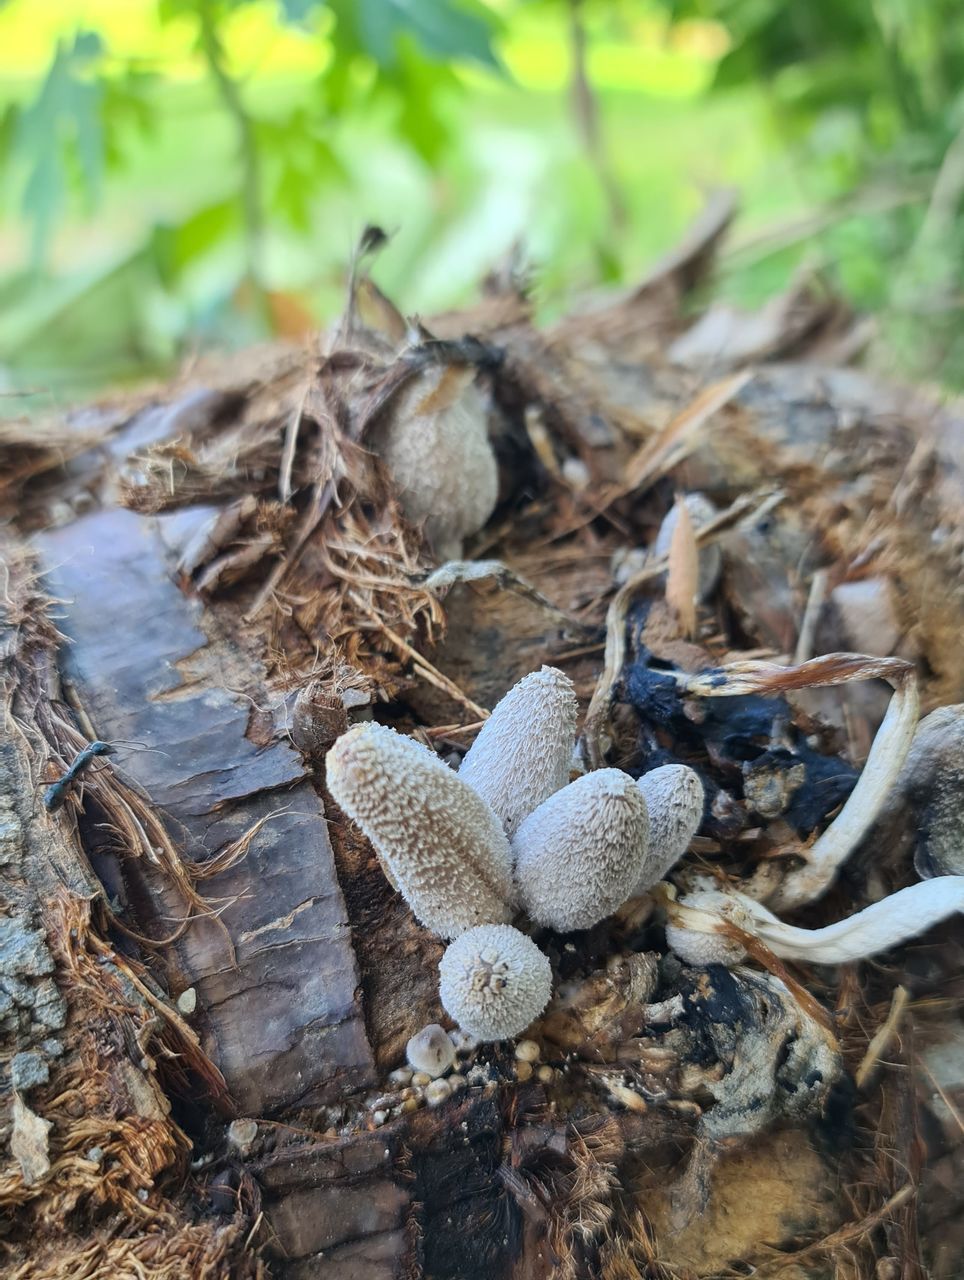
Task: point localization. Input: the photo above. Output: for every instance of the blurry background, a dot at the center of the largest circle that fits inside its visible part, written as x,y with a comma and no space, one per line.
176,174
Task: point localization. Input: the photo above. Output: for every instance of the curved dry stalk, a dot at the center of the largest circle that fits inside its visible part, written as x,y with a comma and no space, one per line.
887,754
882,925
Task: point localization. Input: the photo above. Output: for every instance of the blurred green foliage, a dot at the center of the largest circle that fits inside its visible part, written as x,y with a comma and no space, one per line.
184,171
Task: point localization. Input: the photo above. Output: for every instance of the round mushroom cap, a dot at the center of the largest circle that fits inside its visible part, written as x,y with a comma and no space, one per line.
494,981
430,1050
701,949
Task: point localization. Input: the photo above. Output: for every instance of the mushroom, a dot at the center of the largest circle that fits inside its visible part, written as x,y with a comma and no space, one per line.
430,1050
523,752
494,981
674,800
439,841
434,439
581,853
696,921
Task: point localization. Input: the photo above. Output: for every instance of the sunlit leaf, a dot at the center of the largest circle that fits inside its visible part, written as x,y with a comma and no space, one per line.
175,247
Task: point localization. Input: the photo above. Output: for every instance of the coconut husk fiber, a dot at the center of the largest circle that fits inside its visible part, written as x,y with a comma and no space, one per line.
206,979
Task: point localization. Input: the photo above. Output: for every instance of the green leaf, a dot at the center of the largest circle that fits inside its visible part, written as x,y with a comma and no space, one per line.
442,28
61,130
177,247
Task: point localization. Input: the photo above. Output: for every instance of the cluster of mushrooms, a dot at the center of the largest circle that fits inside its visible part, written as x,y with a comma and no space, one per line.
509,839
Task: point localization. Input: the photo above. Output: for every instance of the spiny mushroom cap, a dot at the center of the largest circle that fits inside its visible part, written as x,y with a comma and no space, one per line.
430,1050
441,842
579,856
700,949
674,799
494,981
701,512
524,750
435,442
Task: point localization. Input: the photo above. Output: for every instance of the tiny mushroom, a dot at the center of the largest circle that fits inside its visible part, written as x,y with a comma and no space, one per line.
430,1050
695,923
674,800
580,854
524,750
440,841
494,981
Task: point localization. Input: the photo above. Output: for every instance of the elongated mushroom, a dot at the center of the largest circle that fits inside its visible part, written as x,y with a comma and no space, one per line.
674,801
434,438
494,981
524,750
441,843
580,854
697,928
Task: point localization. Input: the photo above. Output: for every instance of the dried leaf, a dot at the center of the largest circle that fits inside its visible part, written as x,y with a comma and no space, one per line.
682,580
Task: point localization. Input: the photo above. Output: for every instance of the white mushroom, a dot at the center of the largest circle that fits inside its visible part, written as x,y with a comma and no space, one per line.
434,439
580,854
695,923
494,981
524,750
430,1050
442,844
674,800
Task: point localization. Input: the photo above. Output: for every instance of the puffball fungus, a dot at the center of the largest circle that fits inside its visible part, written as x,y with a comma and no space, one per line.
435,441
494,981
524,750
430,1050
674,800
439,840
580,854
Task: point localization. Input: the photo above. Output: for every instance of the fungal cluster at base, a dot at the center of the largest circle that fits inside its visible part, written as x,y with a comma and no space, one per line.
510,841
509,833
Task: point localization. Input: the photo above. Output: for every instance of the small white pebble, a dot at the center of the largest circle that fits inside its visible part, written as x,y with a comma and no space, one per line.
457,1083
187,1001
523,1070
545,1075
95,1155
379,1117
437,1092
527,1051
401,1076
142,1195
421,1078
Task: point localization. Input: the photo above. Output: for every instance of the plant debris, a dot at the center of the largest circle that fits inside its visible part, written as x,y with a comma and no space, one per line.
388,529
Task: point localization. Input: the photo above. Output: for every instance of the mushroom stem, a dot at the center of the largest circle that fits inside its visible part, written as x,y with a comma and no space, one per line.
879,927
887,754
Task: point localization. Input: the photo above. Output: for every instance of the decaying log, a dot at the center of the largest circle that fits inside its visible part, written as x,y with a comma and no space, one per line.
206,980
